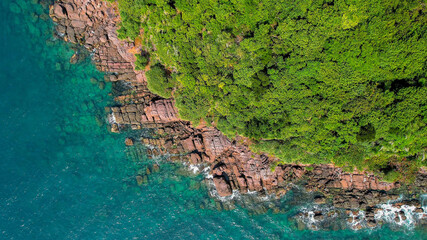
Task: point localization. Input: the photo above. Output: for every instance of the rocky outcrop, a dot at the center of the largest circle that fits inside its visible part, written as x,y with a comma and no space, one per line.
222,185
93,24
160,111
398,213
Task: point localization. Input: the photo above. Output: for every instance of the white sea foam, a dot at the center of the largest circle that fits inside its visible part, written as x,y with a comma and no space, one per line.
252,192
404,215
194,168
111,118
308,216
358,220
206,170
423,200
197,168
310,221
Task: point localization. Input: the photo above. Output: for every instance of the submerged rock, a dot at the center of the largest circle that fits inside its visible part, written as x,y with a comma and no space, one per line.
74,59
101,85
99,120
114,128
93,80
15,8
320,200
129,142
156,168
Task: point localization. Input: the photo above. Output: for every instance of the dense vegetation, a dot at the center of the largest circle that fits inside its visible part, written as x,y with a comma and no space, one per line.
141,62
310,81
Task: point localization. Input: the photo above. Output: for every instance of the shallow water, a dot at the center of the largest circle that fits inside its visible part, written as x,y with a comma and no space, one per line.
64,176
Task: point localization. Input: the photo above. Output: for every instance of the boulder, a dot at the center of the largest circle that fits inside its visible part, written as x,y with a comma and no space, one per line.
61,30
78,24
71,35
156,168
114,128
320,200
129,141
319,217
195,158
72,12
139,180
222,186
188,145
59,11
371,223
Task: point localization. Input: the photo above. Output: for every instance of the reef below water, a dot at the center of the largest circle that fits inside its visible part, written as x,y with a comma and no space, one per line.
64,175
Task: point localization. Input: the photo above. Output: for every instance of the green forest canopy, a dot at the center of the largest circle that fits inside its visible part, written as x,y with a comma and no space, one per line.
311,81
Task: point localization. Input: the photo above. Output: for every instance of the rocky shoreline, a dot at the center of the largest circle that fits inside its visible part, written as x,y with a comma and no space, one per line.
233,167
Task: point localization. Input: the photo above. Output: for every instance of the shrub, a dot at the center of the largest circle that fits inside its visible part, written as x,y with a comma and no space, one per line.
141,62
158,82
392,176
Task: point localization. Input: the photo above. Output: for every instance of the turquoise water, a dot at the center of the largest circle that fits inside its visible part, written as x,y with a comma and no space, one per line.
64,176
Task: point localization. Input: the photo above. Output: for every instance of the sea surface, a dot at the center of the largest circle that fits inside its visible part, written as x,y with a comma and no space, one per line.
63,175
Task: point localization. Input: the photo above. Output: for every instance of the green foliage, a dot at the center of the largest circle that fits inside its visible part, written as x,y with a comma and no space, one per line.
158,82
311,81
141,62
392,176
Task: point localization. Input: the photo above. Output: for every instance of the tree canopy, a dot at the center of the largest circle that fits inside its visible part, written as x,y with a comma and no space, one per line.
310,81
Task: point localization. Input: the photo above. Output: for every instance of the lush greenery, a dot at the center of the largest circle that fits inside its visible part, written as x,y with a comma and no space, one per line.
141,62
309,81
159,82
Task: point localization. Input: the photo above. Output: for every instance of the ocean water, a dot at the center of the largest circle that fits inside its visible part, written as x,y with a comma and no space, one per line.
64,176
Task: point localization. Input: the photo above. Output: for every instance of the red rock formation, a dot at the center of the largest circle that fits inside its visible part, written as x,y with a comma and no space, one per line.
160,111
222,185
93,24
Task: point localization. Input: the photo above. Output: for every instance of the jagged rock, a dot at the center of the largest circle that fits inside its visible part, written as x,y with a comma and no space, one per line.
72,11
61,30
59,11
160,111
78,24
318,216
222,186
71,35
89,7
156,168
320,200
74,59
114,128
139,180
195,158
188,144
419,210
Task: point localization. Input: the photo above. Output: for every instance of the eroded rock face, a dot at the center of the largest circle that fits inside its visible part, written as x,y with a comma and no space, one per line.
222,185
160,111
93,24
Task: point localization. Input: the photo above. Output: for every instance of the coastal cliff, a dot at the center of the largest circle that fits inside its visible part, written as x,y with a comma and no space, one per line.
233,166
